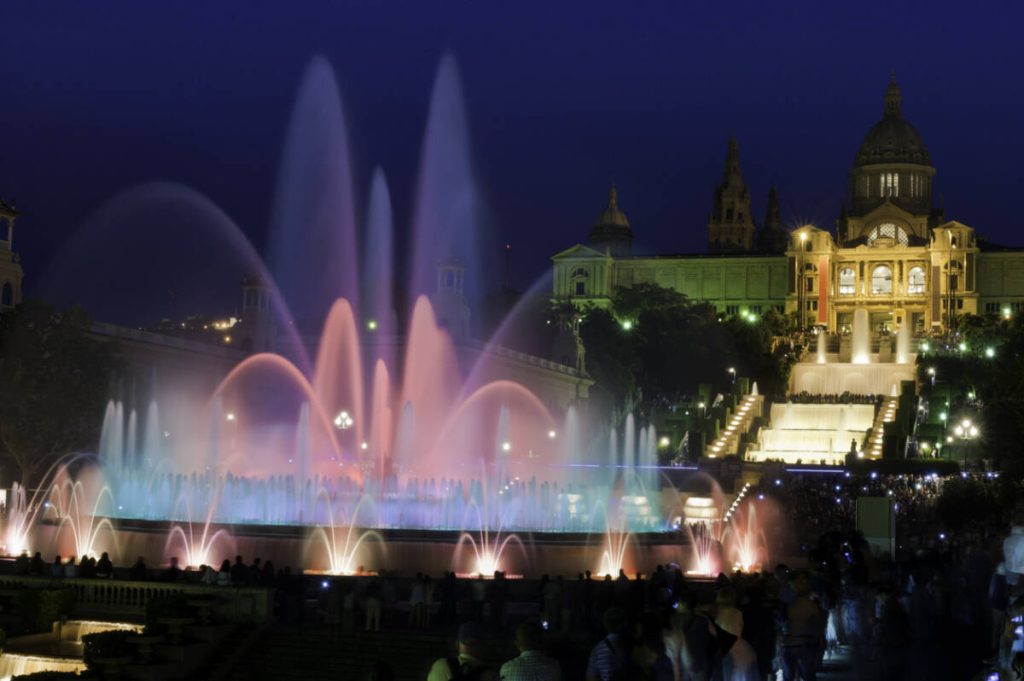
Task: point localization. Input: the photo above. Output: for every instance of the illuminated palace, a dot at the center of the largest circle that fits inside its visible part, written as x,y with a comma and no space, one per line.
892,252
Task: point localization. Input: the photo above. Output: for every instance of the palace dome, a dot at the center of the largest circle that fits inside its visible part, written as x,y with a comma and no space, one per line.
892,139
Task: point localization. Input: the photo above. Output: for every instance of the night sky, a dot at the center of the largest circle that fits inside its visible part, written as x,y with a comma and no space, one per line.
562,98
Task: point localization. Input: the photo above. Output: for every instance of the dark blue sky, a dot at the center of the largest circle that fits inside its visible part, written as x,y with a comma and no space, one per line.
562,97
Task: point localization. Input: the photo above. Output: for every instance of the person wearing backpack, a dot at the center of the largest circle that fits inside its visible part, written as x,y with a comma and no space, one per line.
466,665
610,658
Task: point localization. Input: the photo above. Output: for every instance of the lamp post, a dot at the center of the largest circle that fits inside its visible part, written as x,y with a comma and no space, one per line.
965,433
800,286
732,373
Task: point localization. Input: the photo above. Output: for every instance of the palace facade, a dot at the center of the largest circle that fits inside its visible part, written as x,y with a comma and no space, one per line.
892,251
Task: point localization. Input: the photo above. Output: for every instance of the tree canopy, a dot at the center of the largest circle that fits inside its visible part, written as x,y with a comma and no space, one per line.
659,346
54,381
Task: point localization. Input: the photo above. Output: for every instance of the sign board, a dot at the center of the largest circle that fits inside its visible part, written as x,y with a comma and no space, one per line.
876,520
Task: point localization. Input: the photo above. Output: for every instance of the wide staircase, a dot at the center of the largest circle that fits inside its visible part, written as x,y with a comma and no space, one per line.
812,433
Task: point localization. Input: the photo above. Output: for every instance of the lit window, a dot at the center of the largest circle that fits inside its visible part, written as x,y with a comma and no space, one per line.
732,309
915,281
888,231
890,184
881,281
847,281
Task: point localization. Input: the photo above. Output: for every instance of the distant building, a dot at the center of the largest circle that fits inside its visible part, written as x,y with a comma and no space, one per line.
892,253
11,273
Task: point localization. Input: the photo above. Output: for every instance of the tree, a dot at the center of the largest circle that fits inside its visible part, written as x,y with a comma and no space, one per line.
54,381
611,359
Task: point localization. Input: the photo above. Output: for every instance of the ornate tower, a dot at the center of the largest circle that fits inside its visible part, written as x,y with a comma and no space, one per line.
611,233
731,225
772,238
10,268
890,182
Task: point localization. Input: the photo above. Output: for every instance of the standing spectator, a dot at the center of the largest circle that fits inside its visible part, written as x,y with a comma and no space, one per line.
479,595
448,592
609,659
373,605
224,575
173,571
57,569
531,664
467,663
690,642
417,602
727,615
104,568
239,572
498,593
37,565
138,571
70,569
803,637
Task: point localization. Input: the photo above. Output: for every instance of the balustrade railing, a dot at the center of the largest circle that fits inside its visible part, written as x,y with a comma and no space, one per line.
107,597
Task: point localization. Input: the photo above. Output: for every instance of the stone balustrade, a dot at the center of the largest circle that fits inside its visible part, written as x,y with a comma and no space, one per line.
127,599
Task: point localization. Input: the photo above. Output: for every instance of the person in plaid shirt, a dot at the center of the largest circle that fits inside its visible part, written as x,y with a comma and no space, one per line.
532,664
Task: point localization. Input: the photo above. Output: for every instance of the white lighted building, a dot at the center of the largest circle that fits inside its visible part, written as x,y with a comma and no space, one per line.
892,251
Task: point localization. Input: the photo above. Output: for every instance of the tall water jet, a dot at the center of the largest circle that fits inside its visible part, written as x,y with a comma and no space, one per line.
822,347
447,213
378,305
131,440
338,379
903,344
313,236
629,451
152,440
861,341
111,436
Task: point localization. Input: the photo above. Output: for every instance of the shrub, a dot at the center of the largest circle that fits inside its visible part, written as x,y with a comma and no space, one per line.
106,644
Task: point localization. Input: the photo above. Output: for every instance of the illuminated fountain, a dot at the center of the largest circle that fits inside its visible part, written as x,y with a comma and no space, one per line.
342,543
860,349
370,417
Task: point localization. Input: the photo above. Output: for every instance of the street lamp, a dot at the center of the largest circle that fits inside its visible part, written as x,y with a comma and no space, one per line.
732,371
965,433
800,286
701,406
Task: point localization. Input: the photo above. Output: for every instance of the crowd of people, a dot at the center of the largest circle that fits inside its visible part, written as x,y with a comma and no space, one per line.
843,398
941,607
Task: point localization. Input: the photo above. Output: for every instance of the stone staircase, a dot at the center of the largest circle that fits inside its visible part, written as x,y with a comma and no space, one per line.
739,422
886,414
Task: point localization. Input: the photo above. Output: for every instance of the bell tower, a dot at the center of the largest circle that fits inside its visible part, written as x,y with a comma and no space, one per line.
10,267
731,224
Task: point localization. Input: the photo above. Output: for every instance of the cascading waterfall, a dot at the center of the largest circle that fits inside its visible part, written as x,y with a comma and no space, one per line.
861,341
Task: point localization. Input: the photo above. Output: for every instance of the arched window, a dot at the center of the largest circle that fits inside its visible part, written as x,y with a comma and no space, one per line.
889,232
881,280
6,295
847,281
915,281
